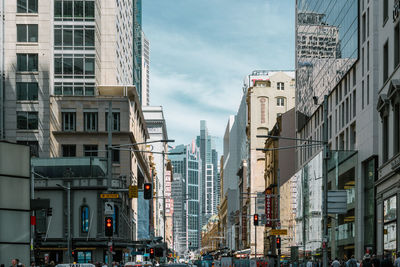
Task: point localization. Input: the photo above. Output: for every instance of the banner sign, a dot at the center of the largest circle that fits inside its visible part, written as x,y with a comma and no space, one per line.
268,207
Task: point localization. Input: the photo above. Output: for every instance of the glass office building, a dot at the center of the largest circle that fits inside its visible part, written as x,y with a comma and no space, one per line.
326,48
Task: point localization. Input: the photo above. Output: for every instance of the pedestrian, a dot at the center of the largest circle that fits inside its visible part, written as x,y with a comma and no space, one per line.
335,263
309,263
366,261
13,263
2,265
351,262
375,261
397,261
387,262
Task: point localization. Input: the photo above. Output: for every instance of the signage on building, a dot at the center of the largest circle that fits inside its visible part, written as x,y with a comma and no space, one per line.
396,10
268,207
278,232
109,195
260,200
167,192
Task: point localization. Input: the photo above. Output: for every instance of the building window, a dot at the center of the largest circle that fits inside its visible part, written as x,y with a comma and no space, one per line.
68,121
385,139
27,91
27,120
280,86
115,125
280,101
90,121
68,150
385,61
114,154
85,219
27,62
27,33
77,10
364,27
262,104
77,37
396,128
27,6
396,45
90,150
33,145
76,89
74,66
389,228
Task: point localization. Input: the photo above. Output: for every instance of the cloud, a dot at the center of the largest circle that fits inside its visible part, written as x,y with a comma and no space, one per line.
201,50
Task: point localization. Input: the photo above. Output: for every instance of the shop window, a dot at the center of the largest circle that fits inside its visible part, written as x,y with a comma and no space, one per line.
390,227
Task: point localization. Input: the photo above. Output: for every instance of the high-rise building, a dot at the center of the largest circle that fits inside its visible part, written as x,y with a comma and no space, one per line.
62,48
145,77
349,82
209,168
186,196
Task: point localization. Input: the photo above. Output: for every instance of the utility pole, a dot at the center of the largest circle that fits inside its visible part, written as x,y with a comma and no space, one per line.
278,197
69,219
325,184
109,167
163,197
255,229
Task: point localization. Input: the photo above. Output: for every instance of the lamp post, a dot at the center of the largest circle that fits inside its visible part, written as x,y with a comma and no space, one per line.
68,189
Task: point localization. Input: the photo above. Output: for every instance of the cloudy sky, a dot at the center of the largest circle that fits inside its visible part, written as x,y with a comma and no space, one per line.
201,50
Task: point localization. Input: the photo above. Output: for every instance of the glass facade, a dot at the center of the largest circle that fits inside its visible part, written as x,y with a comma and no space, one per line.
390,226
326,47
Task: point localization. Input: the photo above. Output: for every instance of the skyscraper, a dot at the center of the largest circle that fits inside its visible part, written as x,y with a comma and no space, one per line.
186,195
209,168
63,48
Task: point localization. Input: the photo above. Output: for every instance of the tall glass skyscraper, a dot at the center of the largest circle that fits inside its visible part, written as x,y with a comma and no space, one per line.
186,195
209,178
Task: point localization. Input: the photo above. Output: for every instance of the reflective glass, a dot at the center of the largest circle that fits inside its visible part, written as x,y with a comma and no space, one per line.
58,65
22,62
67,65
32,62
21,91
89,66
21,6
78,66
78,91
58,8
89,37
32,6
32,120
21,33
78,9
58,37
89,90
32,91
78,38
89,9
67,90
67,8
32,33
327,47
67,40
22,120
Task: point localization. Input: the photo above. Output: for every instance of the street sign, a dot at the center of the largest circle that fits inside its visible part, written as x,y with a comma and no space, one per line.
260,200
109,195
337,202
268,207
278,232
109,208
133,191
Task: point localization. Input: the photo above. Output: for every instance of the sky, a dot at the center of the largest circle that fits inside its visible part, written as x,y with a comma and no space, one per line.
201,51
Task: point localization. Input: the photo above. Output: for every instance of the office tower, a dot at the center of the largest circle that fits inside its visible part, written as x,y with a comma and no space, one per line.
209,159
145,77
186,196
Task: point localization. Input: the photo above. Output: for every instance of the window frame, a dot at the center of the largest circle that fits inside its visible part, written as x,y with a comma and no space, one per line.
28,57
93,150
28,6
28,31
71,123
71,148
92,121
280,86
28,115
28,95
280,101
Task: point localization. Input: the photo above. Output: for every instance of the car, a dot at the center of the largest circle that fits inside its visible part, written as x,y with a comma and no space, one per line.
75,265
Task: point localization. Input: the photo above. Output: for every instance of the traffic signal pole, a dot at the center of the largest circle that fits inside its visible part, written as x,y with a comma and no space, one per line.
109,169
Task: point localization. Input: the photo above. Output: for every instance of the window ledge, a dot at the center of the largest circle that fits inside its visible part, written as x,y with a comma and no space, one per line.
27,43
27,14
27,72
27,101
27,131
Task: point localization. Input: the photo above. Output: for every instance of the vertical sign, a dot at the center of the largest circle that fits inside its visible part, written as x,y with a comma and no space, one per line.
268,207
168,200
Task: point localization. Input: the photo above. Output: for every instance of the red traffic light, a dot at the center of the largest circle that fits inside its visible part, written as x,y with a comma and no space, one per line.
109,223
278,240
147,187
255,219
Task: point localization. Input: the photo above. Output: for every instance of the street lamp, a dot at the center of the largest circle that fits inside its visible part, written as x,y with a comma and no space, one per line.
68,189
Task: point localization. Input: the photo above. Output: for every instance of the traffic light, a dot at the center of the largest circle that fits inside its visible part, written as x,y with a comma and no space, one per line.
49,212
148,191
151,253
278,243
108,226
74,256
255,219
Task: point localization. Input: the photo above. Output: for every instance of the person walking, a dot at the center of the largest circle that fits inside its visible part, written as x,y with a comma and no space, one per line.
397,261
366,261
387,262
375,261
335,263
351,262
